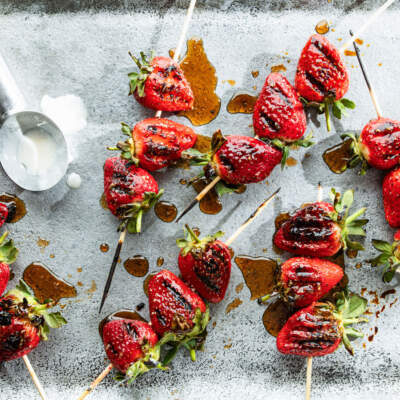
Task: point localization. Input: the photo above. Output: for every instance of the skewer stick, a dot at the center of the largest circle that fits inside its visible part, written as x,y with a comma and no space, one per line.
199,197
369,86
251,218
35,378
96,381
177,53
308,380
367,23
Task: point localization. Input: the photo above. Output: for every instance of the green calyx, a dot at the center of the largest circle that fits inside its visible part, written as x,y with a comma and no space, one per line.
285,147
132,213
137,79
27,306
351,225
127,148
349,308
193,243
389,258
191,340
357,157
8,252
338,108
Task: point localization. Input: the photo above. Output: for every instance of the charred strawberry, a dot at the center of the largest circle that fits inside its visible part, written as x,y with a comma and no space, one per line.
129,191
391,197
205,264
318,329
131,346
8,255
302,281
3,214
160,84
177,312
24,322
322,79
155,143
322,229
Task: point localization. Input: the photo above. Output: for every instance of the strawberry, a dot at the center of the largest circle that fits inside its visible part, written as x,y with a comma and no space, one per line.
321,229
378,145
318,329
389,257
205,264
155,143
322,79
24,322
130,191
160,84
8,255
391,197
3,214
131,346
177,312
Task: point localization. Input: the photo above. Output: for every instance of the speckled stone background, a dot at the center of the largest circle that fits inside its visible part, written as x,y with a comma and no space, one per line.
80,47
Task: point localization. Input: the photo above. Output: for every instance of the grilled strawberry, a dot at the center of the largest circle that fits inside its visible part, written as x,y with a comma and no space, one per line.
176,311
130,191
389,258
322,229
391,197
131,346
322,79
24,322
318,329
8,255
155,142
3,214
160,84
205,264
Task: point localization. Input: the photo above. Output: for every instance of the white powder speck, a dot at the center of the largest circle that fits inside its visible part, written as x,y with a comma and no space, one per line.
74,180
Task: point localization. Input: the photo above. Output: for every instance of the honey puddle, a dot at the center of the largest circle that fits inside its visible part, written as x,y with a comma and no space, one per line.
338,156
104,247
210,203
258,274
160,261
46,285
275,316
242,103
322,27
120,314
202,78
103,202
278,68
232,305
16,207
165,211
137,266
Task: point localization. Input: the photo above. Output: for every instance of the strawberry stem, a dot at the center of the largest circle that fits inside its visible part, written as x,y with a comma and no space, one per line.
327,116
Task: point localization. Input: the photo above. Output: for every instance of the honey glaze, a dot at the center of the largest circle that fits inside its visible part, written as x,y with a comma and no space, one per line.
338,156
210,203
275,316
45,284
103,202
203,145
165,211
160,261
322,27
120,314
202,78
16,207
278,68
137,266
242,103
104,247
258,273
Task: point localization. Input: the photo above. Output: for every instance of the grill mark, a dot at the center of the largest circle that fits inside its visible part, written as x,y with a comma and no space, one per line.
272,125
324,51
316,84
177,296
161,318
282,95
131,330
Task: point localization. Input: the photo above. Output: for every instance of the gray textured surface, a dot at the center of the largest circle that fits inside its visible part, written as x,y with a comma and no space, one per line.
86,54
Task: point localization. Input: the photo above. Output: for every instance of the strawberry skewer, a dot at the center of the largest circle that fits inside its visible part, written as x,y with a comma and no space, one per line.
158,114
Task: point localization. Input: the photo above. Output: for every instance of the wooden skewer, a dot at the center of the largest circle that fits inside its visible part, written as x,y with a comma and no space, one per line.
158,114
367,23
251,218
369,86
96,381
35,378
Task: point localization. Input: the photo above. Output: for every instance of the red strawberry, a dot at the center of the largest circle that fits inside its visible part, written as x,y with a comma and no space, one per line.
160,84
130,191
23,323
320,229
177,311
278,113
3,214
205,264
8,255
321,77
131,346
155,143
305,280
318,329
391,197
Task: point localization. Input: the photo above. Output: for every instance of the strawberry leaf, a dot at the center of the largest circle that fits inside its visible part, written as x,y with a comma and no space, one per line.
222,188
8,252
137,79
382,246
348,103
